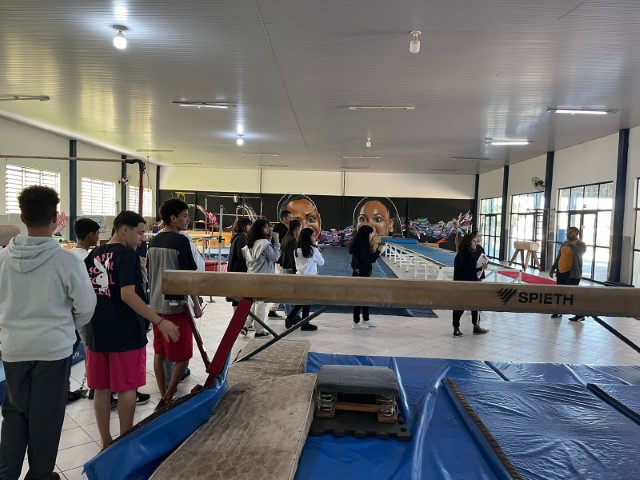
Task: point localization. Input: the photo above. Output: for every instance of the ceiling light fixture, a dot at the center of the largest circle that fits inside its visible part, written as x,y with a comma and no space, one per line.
368,142
470,158
219,105
15,98
360,157
381,107
261,154
505,143
240,140
581,111
414,44
119,41
153,150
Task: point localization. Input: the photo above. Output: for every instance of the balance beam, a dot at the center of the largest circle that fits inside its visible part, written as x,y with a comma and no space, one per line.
393,293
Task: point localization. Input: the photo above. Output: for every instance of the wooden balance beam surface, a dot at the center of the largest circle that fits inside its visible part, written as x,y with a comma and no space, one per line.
256,432
393,293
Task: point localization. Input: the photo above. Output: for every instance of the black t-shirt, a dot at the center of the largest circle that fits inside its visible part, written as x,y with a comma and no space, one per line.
115,327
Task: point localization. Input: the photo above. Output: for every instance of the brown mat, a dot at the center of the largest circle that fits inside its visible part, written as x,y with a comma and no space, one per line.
256,432
286,357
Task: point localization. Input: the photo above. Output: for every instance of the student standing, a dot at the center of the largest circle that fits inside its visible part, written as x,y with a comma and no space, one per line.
46,295
307,258
237,262
168,250
362,258
568,264
261,253
88,234
464,269
116,337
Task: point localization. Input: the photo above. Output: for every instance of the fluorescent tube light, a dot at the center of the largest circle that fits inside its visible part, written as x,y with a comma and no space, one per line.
219,105
381,107
580,111
504,143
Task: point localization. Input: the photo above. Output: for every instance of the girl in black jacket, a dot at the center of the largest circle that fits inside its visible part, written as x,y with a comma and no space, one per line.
464,269
362,259
236,262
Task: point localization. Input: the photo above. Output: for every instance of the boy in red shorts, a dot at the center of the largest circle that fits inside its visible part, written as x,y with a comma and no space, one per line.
169,250
116,336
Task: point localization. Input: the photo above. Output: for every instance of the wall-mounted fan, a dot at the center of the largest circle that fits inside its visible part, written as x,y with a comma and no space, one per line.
537,183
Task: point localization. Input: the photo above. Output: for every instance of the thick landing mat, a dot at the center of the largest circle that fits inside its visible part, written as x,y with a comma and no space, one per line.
625,398
283,358
555,431
566,373
257,432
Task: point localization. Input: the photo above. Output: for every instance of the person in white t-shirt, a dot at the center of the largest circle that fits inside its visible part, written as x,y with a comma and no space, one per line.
308,258
88,234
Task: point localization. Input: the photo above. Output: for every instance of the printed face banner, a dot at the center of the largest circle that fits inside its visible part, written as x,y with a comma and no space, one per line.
336,219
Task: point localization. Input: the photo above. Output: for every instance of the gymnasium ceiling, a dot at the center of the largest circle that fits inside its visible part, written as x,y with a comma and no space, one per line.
486,69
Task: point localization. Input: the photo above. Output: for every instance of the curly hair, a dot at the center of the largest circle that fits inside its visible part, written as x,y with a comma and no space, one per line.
38,205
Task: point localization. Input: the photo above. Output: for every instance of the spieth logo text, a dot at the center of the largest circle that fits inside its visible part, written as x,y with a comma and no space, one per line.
506,294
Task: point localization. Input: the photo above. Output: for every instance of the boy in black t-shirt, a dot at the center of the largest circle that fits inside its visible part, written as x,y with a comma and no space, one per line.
116,336
169,250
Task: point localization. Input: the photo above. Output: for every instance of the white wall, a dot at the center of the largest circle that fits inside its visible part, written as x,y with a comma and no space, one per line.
318,182
521,173
633,173
490,185
18,139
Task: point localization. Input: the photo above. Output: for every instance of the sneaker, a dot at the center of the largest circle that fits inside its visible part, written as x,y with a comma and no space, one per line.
251,328
457,333
371,323
577,318
142,398
244,331
478,330
274,314
556,315
309,327
261,334
73,396
186,373
360,326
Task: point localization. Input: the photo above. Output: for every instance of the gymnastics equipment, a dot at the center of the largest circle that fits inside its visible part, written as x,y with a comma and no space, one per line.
532,253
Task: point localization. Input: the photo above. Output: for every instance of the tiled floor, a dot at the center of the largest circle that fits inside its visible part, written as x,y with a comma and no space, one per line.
519,337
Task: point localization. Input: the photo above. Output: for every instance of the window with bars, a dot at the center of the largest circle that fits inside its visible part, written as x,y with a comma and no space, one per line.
490,221
17,178
636,243
98,197
527,212
147,210
589,208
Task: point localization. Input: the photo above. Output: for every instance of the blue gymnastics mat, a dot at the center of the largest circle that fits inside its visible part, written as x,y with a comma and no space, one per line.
440,255
548,430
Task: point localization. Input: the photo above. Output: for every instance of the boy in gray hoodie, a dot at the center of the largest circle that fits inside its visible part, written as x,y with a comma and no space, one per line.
46,296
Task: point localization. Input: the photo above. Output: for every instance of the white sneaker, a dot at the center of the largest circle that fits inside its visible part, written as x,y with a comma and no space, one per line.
370,323
360,326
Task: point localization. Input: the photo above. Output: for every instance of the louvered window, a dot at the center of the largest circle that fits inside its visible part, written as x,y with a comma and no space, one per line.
146,201
98,197
18,178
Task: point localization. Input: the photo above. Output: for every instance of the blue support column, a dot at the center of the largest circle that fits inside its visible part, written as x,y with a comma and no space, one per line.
615,262
158,191
546,214
476,202
123,184
73,188
503,214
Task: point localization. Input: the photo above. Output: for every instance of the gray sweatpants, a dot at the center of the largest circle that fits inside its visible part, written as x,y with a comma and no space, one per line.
33,413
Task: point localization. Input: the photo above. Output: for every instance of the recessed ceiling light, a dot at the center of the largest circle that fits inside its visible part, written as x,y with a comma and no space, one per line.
153,150
219,105
470,158
359,157
15,98
381,107
581,111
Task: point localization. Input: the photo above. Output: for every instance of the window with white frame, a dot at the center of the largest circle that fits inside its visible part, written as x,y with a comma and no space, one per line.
527,211
17,178
147,195
98,197
636,243
490,221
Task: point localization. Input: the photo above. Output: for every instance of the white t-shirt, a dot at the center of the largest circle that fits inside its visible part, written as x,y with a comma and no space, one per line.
81,252
308,266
